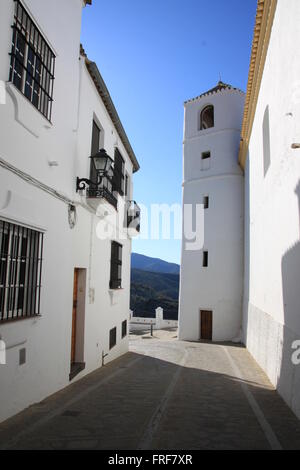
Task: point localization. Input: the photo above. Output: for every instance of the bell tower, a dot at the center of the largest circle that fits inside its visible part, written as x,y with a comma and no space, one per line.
211,281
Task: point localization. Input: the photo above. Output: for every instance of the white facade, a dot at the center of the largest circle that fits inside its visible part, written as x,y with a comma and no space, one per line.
39,163
218,287
272,202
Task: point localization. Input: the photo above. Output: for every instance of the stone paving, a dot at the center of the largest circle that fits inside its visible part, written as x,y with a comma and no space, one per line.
163,394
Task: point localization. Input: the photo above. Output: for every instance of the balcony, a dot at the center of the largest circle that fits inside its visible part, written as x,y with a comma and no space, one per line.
133,218
97,192
99,187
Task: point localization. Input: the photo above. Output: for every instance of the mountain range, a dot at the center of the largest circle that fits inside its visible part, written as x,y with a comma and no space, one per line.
156,265
154,283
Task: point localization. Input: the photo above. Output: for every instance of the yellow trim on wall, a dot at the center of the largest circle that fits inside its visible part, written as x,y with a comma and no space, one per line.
262,31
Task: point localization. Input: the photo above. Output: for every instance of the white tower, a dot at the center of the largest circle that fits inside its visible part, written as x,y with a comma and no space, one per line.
210,304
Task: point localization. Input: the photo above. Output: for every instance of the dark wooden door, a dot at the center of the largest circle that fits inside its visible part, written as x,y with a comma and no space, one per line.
206,324
74,311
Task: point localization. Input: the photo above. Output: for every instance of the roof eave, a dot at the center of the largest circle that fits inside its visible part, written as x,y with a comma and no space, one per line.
110,107
262,32
219,88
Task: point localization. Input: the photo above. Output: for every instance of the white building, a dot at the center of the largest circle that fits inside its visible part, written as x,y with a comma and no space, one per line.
64,286
211,278
270,156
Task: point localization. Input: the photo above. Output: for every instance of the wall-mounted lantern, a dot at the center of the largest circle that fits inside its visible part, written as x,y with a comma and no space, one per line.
101,166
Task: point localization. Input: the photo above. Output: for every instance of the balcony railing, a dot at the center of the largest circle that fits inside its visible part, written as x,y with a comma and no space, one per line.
94,191
133,216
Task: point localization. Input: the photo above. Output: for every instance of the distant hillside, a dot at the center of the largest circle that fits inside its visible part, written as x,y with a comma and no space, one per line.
150,290
153,264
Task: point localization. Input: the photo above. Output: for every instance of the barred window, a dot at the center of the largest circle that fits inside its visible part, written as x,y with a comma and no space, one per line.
20,271
32,62
112,337
119,176
115,266
124,328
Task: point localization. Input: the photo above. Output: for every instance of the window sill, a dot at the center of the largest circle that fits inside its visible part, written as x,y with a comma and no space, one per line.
26,113
17,319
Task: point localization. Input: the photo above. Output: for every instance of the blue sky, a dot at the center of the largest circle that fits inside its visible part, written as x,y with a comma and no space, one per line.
153,55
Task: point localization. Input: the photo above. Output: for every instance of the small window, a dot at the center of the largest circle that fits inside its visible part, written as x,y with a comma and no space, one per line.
124,328
112,337
116,266
94,149
32,62
206,202
205,155
127,181
119,176
266,141
205,259
207,117
20,271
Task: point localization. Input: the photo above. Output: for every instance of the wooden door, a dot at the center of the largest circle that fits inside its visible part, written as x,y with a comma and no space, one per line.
206,324
74,312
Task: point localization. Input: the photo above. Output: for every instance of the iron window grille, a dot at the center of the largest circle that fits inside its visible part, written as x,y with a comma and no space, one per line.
32,62
124,328
20,271
112,337
116,266
119,173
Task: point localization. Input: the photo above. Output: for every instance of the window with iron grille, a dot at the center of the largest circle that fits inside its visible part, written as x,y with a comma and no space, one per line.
94,150
112,337
20,271
32,62
119,173
115,266
124,328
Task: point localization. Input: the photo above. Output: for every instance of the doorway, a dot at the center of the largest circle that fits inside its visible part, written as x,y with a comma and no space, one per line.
206,324
74,316
78,322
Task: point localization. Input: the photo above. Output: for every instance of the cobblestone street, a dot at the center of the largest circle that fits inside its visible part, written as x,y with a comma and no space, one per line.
163,394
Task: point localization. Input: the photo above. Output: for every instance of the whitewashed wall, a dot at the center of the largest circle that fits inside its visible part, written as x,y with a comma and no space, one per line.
219,286
28,141
272,247
158,322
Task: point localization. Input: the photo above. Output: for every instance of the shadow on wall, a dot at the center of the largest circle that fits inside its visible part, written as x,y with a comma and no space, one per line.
289,375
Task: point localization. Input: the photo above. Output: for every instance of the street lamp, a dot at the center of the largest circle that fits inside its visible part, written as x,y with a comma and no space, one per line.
102,166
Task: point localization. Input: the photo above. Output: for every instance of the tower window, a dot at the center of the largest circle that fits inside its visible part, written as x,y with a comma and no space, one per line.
205,259
205,155
206,202
207,117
